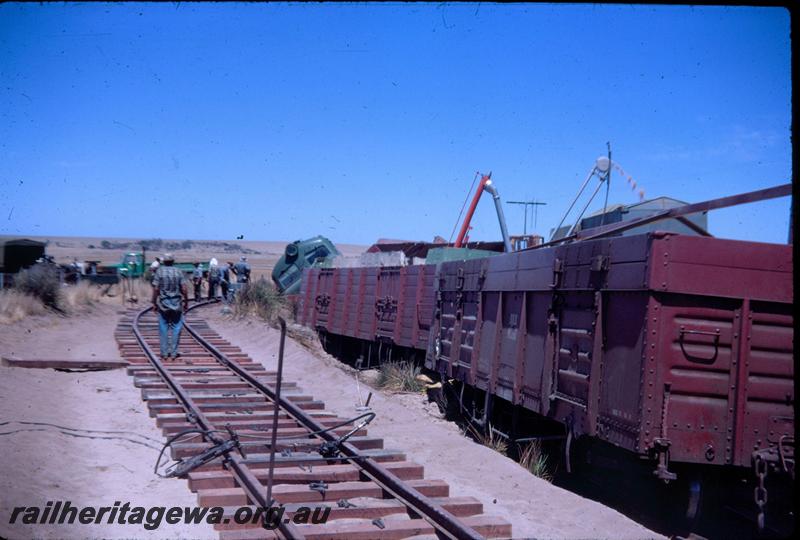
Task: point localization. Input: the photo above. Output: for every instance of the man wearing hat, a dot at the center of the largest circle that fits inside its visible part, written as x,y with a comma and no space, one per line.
242,270
170,300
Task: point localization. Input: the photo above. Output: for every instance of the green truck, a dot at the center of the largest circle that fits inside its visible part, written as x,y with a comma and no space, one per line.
298,255
134,265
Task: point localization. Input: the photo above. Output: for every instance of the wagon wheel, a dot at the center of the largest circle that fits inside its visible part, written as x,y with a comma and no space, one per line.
695,499
323,340
568,440
689,494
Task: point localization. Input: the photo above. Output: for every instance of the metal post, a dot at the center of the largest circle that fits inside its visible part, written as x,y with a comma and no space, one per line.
525,221
608,185
535,204
276,407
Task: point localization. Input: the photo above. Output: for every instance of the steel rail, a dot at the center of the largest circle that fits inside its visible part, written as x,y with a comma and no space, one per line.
246,478
441,519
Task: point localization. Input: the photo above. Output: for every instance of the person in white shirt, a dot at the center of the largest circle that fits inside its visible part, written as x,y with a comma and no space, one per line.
213,278
154,266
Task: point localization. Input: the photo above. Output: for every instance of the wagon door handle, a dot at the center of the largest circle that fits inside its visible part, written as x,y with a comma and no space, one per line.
699,359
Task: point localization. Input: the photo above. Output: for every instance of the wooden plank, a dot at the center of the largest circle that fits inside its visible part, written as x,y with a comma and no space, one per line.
393,529
290,493
226,406
405,470
148,370
249,422
64,363
184,450
322,416
155,389
261,461
369,509
489,526
248,534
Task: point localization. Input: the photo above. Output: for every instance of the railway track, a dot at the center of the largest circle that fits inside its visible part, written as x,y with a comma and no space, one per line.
224,400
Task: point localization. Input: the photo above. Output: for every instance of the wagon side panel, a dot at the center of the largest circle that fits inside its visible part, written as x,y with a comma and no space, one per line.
724,342
368,291
325,298
387,301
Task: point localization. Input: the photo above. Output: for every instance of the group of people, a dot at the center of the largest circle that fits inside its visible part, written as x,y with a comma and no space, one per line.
217,276
220,275
171,296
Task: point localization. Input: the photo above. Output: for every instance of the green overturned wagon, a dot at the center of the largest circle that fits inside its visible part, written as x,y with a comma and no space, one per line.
299,255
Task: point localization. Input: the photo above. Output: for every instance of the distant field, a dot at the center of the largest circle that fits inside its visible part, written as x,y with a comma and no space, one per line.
261,255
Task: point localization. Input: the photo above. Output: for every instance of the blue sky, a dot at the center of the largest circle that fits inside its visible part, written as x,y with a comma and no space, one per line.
282,121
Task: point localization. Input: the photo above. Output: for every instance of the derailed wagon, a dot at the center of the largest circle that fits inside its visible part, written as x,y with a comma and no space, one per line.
662,344
675,348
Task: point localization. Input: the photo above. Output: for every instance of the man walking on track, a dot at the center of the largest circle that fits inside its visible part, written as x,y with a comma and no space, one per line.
225,279
197,281
170,300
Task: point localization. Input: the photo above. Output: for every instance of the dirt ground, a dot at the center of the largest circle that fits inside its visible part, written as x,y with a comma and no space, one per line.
46,466
42,466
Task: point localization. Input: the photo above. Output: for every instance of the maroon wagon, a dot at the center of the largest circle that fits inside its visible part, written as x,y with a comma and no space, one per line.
656,343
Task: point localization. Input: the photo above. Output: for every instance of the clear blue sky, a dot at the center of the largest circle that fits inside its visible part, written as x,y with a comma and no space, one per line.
281,121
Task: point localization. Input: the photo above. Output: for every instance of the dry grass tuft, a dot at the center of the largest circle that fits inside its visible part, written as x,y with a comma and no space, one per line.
82,297
16,305
41,281
534,460
260,298
488,439
399,377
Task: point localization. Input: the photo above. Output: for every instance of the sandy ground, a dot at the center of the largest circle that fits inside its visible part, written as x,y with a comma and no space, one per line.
45,466
37,467
536,508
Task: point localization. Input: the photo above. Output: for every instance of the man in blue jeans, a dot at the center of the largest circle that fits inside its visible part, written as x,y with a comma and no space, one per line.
170,300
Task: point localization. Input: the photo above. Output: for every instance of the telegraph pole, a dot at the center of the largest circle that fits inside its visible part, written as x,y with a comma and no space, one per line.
535,204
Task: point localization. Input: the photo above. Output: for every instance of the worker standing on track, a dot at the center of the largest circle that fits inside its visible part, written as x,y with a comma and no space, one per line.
225,279
197,281
154,267
170,300
242,270
213,278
